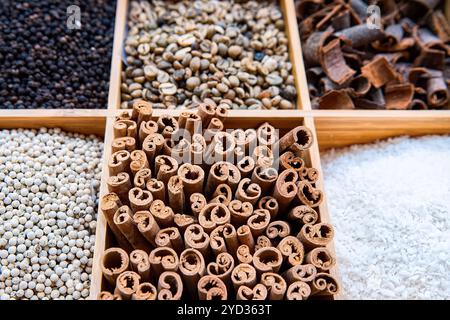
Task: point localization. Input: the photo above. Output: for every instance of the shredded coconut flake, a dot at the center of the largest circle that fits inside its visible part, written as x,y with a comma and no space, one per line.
390,205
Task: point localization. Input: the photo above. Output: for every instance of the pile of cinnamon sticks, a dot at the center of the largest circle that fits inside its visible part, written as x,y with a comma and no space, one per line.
201,213
394,55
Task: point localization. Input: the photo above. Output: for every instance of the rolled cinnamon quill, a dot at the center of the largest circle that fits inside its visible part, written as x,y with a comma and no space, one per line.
105,295
270,204
267,259
171,238
123,220
163,259
222,268
243,254
213,215
222,173
125,128
243,275
146,225
285,189
142,111
147,128
300,272
318,235
195,237
170,286
167,125
240,212
120,184
123,143
141,178
114,262
176,194
308,195
292,250
163,214
138,161
309,174
140,264
140,200
198,202
152,146
264,156
267,135
145,291
258,221
225,191
119,162
192,268
192,177
265,177
211,288
324,285
245,236
275,284
277,231
298,290
206,112
321,258
157,189
246,166
248,191
259,292
224,239
109,205
182,221
127,284
298,139
165,167
262,242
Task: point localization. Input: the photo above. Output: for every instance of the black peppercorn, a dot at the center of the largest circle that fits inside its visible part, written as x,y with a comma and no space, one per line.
44,64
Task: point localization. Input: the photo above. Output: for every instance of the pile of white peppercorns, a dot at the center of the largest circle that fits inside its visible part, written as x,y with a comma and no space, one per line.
49,183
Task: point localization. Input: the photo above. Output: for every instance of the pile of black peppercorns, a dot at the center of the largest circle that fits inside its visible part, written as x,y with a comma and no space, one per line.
45,64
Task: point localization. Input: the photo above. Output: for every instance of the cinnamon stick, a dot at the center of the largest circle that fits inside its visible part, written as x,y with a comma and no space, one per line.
292,250
157,189
123,220
324,285
176,194
145,291
265,177
275,284
123,143
224,239
246,166
182,221
211,288
308,195
270,204
125,128
171,238
196,238
119,162
318,235
146,225
286,189
303,215
222,268
243,275
321,258
198,202
152,146
163,214
192,177
300,272
127,284
213,215
140,200
248,191
243,254
165,167
114,262
245,236
267,259
170,286
277,230
163,259
141,178
239,212
192,268
109,205
105,295
258,221
298,290
259,292
140,264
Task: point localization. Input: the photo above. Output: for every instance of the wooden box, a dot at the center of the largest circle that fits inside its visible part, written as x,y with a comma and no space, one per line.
283,123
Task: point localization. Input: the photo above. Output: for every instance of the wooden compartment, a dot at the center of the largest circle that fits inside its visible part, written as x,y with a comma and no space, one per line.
337,128
296,58
284,123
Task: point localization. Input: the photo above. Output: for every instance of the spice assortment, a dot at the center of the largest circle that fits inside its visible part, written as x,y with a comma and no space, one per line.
200,212
354,59
236,53
49,61
49,182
